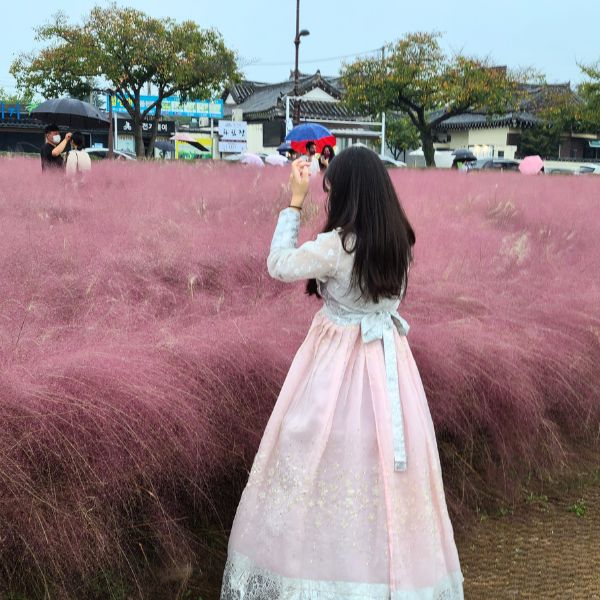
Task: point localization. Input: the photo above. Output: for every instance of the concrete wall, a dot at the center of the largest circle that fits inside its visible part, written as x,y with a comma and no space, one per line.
483,142
255,140
458,139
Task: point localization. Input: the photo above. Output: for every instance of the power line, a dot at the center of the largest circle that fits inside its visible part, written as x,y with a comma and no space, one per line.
315,60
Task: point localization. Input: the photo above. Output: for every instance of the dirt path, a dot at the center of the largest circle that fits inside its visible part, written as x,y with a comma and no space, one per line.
545,547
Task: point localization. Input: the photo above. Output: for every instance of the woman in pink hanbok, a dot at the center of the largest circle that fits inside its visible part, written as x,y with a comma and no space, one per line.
345,498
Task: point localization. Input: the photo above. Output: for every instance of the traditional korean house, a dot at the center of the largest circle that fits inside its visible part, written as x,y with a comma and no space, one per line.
498,136
264,107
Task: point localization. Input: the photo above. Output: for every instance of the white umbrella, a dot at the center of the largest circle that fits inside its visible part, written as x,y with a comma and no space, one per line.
252,159
276,160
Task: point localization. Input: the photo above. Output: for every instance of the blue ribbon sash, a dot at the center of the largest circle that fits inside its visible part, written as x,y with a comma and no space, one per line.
380,326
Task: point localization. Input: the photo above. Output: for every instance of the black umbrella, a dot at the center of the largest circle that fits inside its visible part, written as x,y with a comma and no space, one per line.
464,155
165,146
72,113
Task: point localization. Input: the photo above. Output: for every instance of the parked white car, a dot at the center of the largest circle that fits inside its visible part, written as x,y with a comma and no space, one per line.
589,169
102,153
390,162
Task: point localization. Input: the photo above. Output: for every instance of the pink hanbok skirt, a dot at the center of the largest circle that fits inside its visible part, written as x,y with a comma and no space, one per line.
324,515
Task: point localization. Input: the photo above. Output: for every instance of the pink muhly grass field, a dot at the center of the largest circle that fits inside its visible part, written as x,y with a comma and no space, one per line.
142,346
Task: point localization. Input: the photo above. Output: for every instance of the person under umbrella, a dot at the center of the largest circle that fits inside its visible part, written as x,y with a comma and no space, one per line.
311,157
300,135
78,160
52,150
463,159
532,165
327,155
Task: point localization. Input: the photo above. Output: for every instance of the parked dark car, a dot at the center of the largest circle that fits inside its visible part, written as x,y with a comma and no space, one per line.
494,164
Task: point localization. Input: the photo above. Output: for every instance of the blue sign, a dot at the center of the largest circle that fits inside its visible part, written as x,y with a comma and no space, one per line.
12,110
174,107
8,111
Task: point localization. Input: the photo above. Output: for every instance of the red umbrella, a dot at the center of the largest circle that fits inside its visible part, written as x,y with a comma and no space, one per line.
310,132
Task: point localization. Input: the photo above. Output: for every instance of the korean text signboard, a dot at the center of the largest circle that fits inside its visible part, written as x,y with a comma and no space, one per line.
234,136
125,126
174,107
233,131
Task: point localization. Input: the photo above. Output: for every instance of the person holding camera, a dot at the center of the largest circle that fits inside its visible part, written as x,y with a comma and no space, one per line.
52,150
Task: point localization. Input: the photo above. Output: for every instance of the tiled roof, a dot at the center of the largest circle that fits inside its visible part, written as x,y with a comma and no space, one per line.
537,98
324,111
260,101
24,122
241,91
309,109
480,121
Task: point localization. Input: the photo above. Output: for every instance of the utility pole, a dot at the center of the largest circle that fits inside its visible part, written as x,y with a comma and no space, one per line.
299,34
110,126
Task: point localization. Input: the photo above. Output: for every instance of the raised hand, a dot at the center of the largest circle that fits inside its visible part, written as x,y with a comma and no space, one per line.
299,181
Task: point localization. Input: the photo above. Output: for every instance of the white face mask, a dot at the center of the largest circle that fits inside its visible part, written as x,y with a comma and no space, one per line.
56,139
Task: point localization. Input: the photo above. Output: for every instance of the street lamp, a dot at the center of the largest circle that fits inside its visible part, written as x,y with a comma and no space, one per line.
299,34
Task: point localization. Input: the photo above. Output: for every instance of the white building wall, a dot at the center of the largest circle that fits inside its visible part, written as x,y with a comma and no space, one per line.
489,142
483,142
255,140
458,139
318,95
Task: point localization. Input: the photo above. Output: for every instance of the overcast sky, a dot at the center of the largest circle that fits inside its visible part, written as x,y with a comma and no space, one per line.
550,35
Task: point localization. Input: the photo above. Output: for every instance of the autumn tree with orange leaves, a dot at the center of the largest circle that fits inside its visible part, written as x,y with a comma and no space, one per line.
416,77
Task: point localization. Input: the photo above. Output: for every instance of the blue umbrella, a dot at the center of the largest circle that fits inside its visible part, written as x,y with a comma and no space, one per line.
285,147
310,132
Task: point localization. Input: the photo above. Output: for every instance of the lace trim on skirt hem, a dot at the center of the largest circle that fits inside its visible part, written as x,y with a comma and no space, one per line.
243,580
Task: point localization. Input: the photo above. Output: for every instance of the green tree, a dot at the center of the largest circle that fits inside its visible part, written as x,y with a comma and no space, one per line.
400,135
417,78
557,109
589,92
543,139
24,100
559,113
129,50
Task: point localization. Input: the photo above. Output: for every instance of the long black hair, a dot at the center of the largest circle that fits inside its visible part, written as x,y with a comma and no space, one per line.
329,158
362,202
78,139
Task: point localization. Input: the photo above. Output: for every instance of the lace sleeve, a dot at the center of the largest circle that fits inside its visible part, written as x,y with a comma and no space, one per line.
318,258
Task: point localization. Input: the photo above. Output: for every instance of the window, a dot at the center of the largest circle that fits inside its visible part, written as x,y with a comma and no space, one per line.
512,139
500,153
273,133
